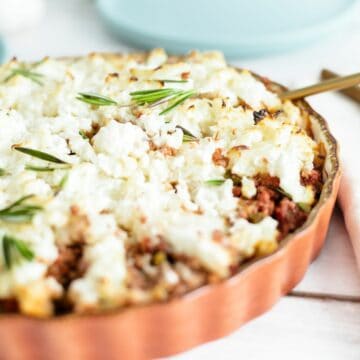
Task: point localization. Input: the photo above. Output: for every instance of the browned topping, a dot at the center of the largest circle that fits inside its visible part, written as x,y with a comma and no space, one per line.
241,102
185,75
167,150
266,81
219,159
218,235
240,147
111,76
208,95
77,225
259,115
136,112
275,114
95,127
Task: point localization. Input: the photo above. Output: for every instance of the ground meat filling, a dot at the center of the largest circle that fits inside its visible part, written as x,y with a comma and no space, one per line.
313,178
289,215
154,267
271,201
8,306
68,266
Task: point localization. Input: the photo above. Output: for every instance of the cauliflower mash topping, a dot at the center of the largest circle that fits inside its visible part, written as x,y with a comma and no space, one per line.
116,192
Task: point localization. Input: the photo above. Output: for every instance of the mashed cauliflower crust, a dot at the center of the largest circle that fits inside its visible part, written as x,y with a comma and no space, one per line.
111,197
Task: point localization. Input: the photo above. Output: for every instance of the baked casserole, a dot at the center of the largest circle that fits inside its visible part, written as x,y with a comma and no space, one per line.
130,179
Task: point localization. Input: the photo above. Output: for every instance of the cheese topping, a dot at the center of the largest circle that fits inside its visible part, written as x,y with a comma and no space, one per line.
131,177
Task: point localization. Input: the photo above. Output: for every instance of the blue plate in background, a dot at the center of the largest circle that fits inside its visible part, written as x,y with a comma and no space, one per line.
2,50
237,27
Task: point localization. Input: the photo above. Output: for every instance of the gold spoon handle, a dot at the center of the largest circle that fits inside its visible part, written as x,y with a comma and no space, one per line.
338,83
352,92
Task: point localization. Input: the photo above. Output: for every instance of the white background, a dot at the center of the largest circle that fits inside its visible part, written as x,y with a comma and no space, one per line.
321,318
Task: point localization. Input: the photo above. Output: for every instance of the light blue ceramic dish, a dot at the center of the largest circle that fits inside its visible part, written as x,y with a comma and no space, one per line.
237,27
2,50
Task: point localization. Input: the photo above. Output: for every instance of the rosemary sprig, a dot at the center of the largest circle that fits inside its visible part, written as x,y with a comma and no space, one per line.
154,97
32,75
177,100
187,135
14,248
40,155
39,168
148,97
215,182
173,81
83,134
95,99
19,212
62,183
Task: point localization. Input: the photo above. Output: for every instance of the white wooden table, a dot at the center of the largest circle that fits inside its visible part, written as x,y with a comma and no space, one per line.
320,319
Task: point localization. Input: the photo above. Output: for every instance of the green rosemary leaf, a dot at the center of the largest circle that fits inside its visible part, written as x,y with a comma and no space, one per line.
38,63
40,155
62,183
14,248
283,192
2,172
63,180
304,207
6,245
83,135
95,99
215,182
19,201
153,96
177,100
174,81
23,249
33,76
39,168
19,212
188,138
187,135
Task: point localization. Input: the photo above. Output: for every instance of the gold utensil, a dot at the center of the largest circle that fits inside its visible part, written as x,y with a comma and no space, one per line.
338,83
353,92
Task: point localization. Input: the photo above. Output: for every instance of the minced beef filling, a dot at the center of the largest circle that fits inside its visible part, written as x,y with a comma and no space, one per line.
68,266
270,201
148,261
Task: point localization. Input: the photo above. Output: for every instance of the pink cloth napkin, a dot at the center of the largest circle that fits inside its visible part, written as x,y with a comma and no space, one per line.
343,116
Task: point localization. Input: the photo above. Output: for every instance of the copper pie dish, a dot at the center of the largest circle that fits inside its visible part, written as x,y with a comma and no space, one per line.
205,314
